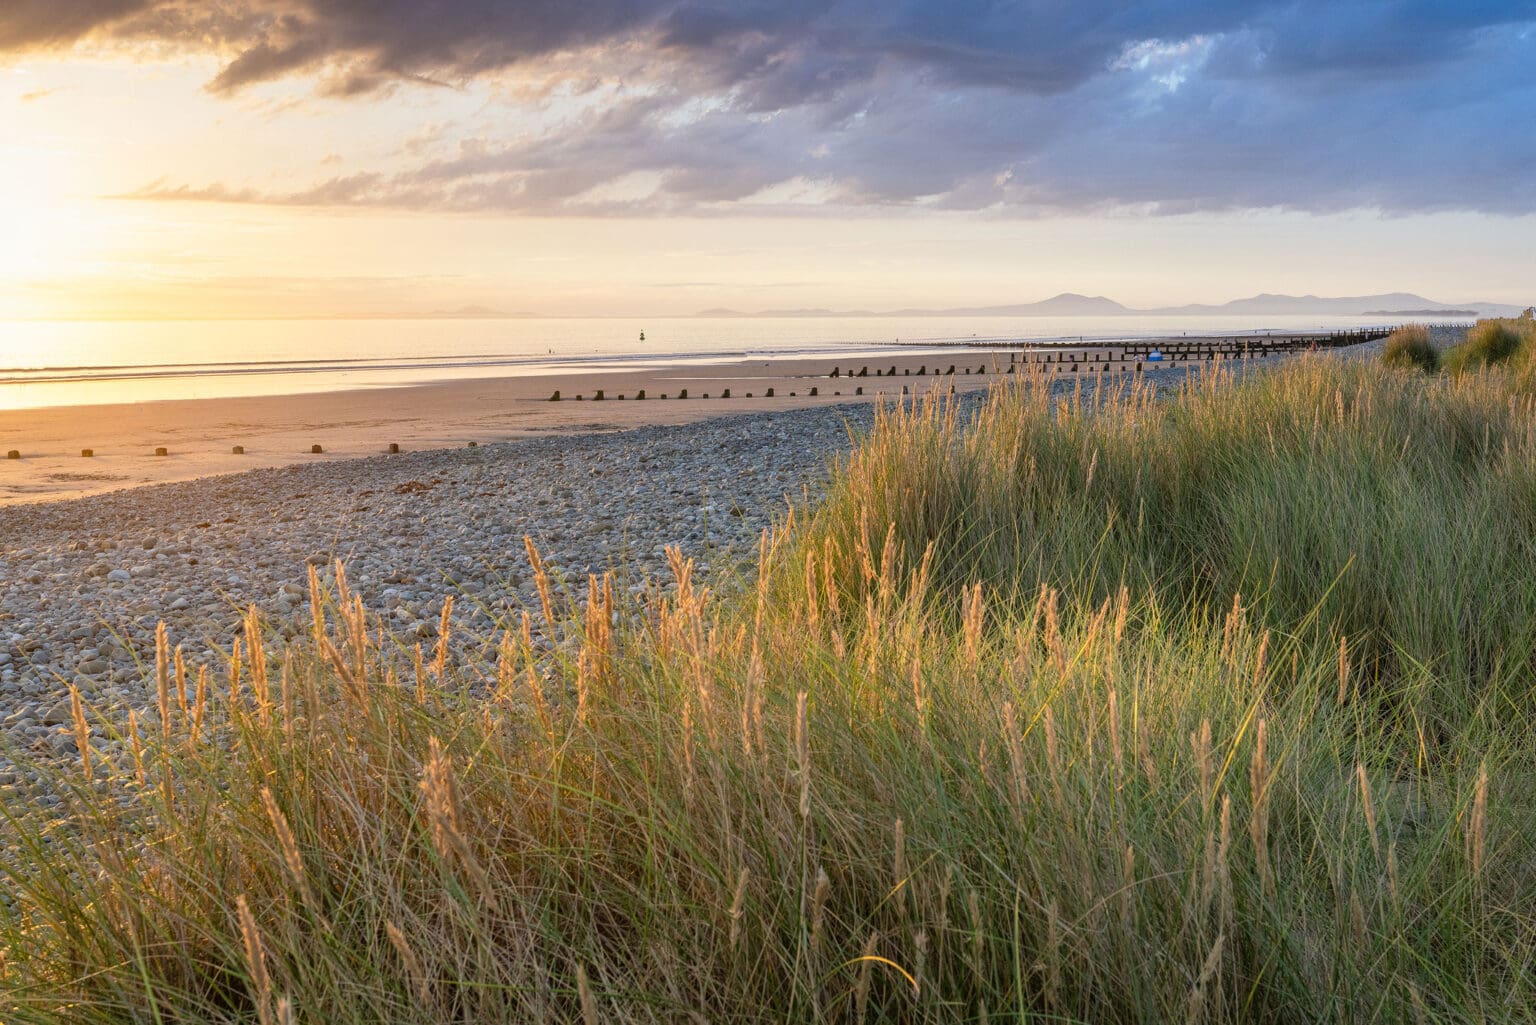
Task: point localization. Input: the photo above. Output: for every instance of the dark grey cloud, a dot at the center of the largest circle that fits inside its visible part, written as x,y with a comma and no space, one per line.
38,24
1020,105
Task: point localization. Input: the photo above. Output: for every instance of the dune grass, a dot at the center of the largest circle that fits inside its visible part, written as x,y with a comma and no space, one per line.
1120,710
1492,343
1410,347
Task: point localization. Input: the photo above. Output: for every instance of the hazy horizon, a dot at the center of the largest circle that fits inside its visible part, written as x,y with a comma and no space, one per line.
299,158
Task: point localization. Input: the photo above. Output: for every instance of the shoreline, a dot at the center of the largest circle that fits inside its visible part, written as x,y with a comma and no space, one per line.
200,434
133,444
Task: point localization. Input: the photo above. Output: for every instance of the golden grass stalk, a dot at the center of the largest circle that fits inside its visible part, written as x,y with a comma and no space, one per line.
316,606
1128,888
752,705
256,650
1368,807
1198,994
973,622
1200,744
585,995
1258,823
288,846
540,579
420,984
1477,824
136,748
1018,773
82,731
919,689
861,987
444,635
181,681
163,682
255,961
440,798
200,702
819,896
738,905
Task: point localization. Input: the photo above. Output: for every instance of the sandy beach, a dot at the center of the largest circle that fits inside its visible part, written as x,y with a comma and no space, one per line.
200,435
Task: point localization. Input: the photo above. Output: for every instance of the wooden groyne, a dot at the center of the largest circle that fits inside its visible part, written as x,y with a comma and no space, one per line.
1245,345
1205,347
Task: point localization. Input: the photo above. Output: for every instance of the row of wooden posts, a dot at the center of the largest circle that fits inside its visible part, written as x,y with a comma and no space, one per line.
1253,345
640,395
238,450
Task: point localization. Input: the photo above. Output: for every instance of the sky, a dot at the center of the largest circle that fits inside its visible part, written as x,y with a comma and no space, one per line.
185,158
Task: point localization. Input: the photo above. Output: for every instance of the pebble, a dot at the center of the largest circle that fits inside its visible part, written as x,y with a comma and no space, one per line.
79,602
86,581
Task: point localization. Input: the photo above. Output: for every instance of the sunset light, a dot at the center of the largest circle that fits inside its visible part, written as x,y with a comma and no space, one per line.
760,512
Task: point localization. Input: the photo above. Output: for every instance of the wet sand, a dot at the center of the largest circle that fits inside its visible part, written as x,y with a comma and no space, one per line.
280,430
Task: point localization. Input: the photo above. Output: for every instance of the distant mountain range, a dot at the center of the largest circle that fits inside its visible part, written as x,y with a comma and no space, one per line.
1070,304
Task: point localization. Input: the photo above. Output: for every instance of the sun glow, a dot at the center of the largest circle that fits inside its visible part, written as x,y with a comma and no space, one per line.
29,240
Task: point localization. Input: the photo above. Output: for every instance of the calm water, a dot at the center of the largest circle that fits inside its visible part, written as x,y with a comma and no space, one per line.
45,363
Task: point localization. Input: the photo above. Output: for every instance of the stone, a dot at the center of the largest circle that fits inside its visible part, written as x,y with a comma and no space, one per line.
119,576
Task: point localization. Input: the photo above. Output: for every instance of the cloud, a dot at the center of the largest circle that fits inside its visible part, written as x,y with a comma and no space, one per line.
39,24
703,106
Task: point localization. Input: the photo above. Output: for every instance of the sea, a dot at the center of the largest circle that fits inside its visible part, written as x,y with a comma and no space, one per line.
68,363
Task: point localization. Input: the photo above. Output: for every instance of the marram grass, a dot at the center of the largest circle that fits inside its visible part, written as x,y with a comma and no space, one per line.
1411,347
1492,343
938,758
